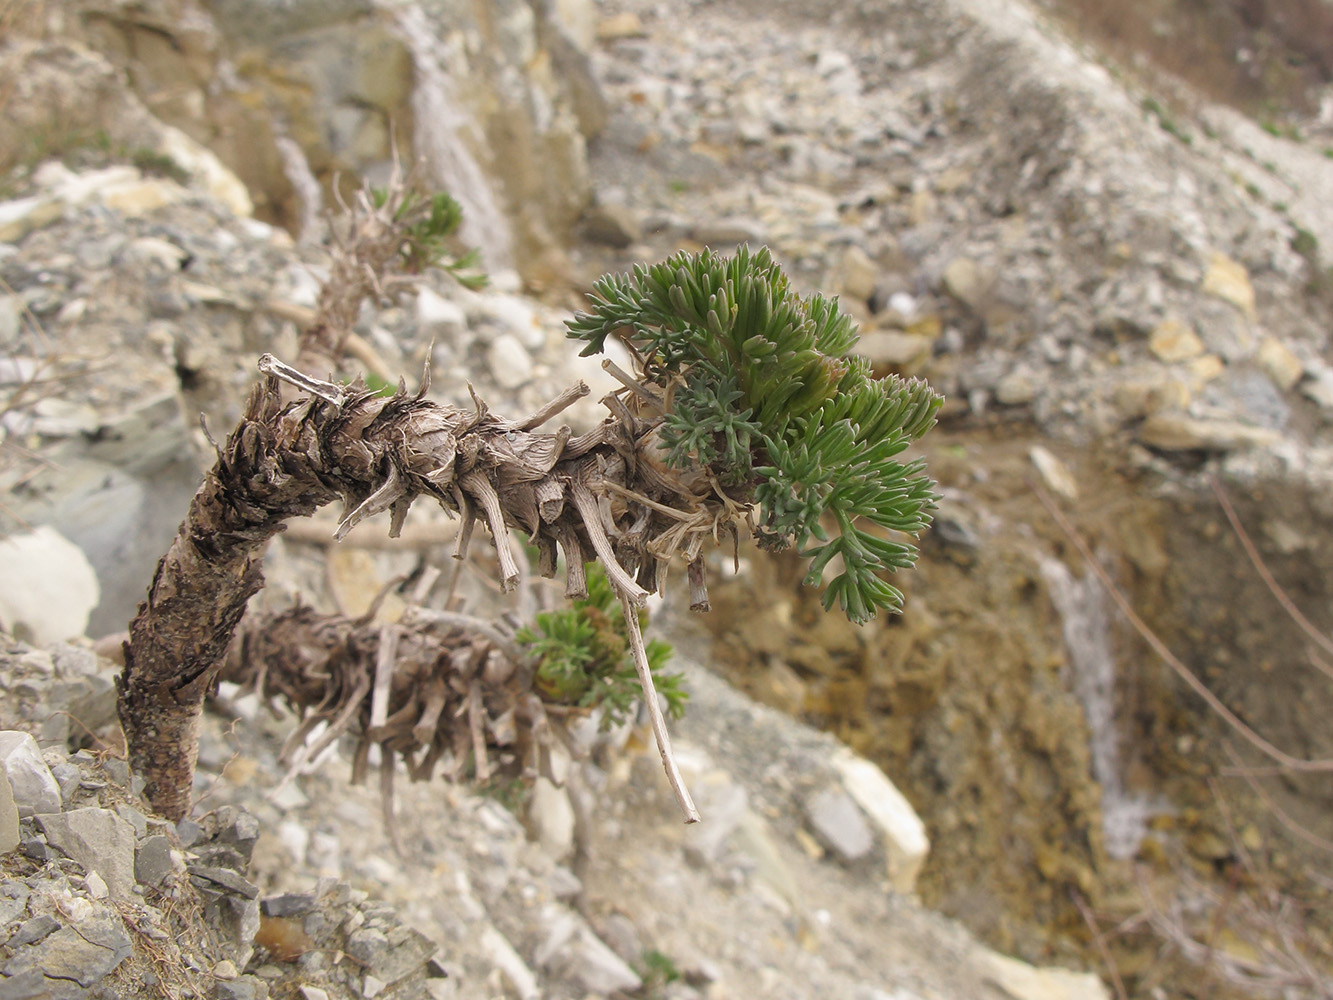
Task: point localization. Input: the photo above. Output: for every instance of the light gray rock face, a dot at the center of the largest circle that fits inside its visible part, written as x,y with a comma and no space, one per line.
9,817
34,788
79,953
97,839
571,951
840,825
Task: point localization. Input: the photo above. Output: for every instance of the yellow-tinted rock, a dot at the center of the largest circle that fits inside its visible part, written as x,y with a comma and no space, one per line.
1230,282
1174,340
1282,366
625,25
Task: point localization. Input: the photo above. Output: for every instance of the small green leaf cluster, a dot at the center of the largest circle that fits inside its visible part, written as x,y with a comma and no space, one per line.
584,658
429,222
762,389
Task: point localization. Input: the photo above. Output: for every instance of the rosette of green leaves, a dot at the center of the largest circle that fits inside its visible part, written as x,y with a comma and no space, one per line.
430,222
584,659
762,389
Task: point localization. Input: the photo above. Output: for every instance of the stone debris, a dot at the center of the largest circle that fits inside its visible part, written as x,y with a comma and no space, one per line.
32,785
904,835
9,817
1024,982
957,233
48,588
98,839
840,825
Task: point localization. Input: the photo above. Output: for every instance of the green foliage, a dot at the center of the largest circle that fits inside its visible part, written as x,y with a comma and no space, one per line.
657,969
761,389
378,385
430,223
153,163
584,656
1166,120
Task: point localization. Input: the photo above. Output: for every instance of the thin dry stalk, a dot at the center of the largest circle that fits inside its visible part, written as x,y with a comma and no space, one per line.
1261,568
1177,666
655,709
1111,968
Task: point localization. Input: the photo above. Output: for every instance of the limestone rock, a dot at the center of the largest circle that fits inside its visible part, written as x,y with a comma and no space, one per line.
551,818
9,817
1281,364
510,363
970,283
624,25
894,349
1178,432
573,952
905,841
33,787
839,824
48,589
1173,340
97,839
612,225
724,233
1025,982
1229,281
439,316
854,275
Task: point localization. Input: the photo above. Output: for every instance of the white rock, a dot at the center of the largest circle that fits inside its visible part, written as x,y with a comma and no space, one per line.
439,316
1318,386
1177,432
35,789
96,886
516,316
206,170
1025,982
20,217
570,950
552,819
503,956
48,587
1054,472
11,321
905,841
511,364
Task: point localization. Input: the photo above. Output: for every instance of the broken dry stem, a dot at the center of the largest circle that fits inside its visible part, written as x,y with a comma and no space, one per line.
654,707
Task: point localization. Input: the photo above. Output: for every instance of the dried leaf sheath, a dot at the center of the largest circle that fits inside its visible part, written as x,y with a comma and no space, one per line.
285,461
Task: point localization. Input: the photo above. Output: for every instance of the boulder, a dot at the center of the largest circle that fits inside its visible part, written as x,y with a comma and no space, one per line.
47,589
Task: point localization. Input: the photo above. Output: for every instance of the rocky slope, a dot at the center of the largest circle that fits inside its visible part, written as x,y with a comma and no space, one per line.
1119,301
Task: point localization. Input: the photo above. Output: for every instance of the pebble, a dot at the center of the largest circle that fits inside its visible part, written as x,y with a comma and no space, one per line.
153,861
1177,432
97,839
48,589
509,361
1173,340
1229,281
839,824
33,787
439,317
905,841
612,225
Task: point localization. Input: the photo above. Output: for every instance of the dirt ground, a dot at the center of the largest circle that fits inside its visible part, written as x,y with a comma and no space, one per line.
971,701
